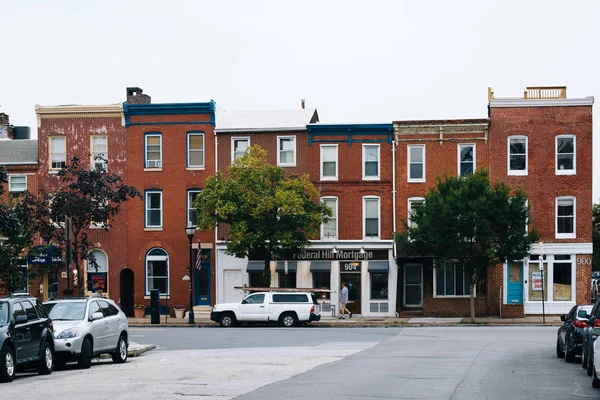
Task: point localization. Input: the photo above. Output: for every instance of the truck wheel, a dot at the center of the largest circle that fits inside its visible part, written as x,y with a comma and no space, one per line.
85,358
46,362
288,320
7,364
227,320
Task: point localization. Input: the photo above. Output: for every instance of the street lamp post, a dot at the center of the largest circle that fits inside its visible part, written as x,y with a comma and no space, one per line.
190,230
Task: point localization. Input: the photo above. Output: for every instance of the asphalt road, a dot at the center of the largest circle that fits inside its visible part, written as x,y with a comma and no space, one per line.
325,363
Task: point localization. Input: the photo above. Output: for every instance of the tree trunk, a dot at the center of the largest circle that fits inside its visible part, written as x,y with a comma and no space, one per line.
472,301
267,273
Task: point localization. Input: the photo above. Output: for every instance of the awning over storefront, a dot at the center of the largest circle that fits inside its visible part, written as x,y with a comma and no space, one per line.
281,267
256,266
379,266
320,266
44,255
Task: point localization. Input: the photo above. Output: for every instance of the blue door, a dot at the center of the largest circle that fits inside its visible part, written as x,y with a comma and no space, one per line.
514,283
202,279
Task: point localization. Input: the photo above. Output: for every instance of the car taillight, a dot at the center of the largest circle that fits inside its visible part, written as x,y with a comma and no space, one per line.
312,309
597,323
579,324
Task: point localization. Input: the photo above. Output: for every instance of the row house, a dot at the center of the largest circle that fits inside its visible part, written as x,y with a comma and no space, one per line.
18,156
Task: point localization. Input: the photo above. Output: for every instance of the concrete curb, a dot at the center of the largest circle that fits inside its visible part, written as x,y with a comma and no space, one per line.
360,325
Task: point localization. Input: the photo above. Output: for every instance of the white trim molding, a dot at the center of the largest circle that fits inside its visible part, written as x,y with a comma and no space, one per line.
517,102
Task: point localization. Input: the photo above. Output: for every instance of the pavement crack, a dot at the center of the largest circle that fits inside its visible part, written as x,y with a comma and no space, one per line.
468,369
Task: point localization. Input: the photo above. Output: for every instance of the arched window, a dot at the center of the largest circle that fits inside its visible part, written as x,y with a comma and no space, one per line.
157,271
97,273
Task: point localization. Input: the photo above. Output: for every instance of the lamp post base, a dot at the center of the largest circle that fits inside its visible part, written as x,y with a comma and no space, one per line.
191,317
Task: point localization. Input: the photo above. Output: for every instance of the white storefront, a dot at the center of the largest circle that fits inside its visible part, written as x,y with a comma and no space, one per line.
368,268
551,270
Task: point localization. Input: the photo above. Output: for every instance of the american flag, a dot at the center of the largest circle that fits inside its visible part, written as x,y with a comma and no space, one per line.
199,258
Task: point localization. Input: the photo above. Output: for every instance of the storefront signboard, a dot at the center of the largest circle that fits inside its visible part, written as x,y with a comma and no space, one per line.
536,281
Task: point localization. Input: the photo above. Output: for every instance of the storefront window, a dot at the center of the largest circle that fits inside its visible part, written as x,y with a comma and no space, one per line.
379,285
451,282
287,281
322,280
562,281
255,279
535,282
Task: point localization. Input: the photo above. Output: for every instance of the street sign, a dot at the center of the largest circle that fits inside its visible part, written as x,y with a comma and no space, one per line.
285,267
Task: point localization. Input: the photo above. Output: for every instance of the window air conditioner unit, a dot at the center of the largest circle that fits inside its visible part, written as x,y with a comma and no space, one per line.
153,164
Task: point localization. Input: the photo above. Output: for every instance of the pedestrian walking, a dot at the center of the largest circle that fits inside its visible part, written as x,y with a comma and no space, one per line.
344,301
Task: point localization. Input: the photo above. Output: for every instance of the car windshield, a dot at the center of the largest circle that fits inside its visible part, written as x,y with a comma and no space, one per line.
3,312
66,311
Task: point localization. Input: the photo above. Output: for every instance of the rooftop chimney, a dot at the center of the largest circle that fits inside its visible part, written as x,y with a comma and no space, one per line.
135,96
303,103
3,119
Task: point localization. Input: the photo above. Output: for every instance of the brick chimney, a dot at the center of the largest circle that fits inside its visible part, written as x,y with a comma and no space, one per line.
3,119
135,95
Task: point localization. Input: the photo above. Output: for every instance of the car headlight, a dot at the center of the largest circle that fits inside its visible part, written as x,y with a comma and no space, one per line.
67,333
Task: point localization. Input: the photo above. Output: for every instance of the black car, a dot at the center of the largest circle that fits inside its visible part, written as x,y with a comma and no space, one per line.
26,336
587,359
570,335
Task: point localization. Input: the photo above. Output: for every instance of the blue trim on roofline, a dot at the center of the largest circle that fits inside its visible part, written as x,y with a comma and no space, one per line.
349,131
171,123
169,109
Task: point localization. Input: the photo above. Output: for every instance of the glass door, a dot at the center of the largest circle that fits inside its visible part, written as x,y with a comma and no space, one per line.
413,285
202,280
353,284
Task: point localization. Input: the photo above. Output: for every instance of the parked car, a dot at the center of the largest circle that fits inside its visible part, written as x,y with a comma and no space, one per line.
25,336
286,308
569,339
87,327
596,368
587,352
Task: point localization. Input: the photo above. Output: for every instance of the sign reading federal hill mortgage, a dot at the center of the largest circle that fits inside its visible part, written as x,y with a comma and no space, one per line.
328,255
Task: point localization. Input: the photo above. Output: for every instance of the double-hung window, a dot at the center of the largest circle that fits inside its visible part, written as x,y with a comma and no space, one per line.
565,155
239,147
191,211
371,213
517,155
565,217
154,209
58,154
330,227
416,163
195,150
413,203
286,151
451,281
466,159
153,150
99,152
17,183
329,162
157,271
370,161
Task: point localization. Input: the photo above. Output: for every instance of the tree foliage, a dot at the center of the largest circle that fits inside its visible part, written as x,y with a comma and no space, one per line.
471,223
91,198
266,210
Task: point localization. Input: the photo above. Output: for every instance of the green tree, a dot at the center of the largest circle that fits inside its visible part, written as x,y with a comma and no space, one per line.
91,198
469,222
596,237
17,230
266,211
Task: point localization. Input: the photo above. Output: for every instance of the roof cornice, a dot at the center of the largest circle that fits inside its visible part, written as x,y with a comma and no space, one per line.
130,110
79,111
516,102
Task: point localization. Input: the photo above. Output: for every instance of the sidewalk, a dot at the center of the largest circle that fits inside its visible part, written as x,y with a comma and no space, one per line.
202,320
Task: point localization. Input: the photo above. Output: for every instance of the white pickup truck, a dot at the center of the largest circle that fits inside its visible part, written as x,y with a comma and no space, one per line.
286,308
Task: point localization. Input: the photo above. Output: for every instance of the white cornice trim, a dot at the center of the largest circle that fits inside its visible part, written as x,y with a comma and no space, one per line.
240,130
563,248
87,111
516,102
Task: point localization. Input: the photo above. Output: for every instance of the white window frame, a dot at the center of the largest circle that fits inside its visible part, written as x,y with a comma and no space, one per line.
157,258
435,293
364,163
572,235
64,153
460,146
235,139
189,204
147,202
409,162
334,218
94,153
188,150
10,183
88,269
364,217
146,161
517,172
566,171
412,200
282,164
330,146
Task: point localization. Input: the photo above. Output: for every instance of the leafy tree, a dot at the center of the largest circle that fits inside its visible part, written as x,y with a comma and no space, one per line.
469,222
266,210
91,198
18,230
596,237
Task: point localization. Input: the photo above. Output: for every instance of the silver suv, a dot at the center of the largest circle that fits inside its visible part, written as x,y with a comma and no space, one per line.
87,327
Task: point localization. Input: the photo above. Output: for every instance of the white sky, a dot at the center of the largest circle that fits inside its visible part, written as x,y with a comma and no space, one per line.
355,61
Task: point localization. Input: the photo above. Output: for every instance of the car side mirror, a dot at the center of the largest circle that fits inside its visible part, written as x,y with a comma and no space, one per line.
596,331
21,319
97,315
563,317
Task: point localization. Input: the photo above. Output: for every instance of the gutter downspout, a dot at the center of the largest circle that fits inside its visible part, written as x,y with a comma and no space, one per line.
394,193
216,170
